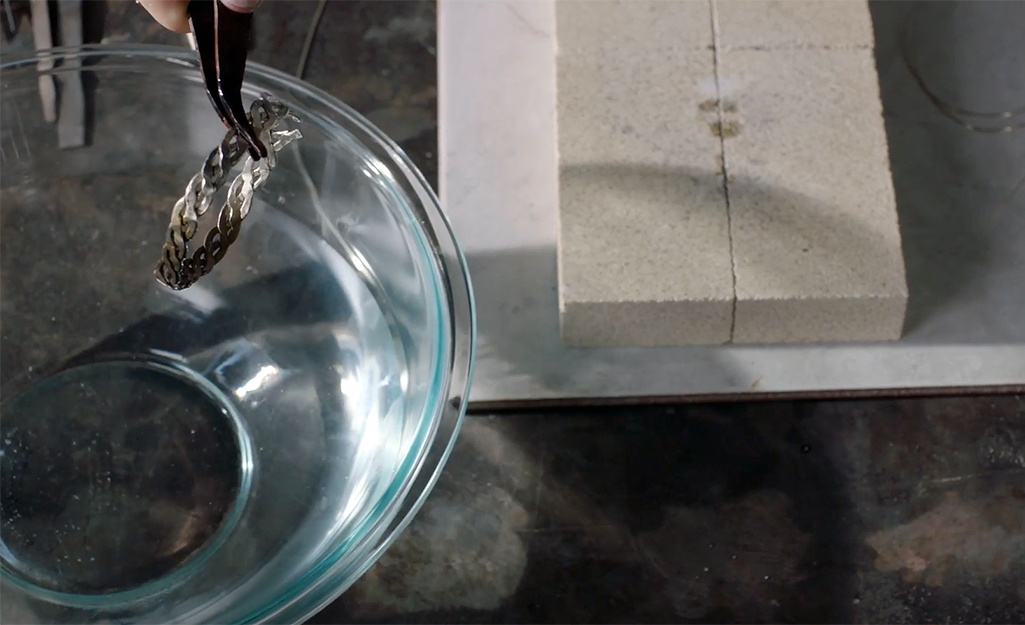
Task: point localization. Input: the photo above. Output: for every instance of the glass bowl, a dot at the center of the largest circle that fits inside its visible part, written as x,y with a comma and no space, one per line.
242,450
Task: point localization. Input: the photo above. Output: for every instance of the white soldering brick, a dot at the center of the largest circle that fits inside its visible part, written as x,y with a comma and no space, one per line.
768,24
633,27
816,242
644,254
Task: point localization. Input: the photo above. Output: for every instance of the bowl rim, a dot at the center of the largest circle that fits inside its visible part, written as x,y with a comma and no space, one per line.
451,274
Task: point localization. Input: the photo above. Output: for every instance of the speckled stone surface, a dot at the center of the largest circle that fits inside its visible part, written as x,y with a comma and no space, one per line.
644,242
886,511
816,244
817,249
779,226
767,24
889,511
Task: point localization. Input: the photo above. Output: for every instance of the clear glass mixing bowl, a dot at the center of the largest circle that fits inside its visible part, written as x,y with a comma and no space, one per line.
242,450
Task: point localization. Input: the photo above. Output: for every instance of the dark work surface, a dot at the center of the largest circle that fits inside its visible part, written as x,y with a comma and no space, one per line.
899,511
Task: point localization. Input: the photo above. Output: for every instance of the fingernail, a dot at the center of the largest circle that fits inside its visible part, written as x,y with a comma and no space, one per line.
241,6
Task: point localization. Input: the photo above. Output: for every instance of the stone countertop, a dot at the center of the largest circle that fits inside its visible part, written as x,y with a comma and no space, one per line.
884,511
904,511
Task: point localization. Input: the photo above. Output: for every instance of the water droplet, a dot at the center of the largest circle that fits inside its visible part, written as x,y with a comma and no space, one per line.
805,449
711,545
767,578
706,569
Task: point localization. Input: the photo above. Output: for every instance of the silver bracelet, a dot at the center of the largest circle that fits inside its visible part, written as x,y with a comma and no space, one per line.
176,268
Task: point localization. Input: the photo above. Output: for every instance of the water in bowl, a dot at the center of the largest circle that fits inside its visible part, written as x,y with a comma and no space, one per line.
153,439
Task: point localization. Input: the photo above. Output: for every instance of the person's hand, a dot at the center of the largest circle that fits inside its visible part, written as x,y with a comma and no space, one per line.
173,14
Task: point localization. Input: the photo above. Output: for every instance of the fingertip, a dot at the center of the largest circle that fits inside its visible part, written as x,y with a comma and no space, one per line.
242,6
171,14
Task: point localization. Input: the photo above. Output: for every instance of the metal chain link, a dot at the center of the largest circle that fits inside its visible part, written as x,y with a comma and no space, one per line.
176,268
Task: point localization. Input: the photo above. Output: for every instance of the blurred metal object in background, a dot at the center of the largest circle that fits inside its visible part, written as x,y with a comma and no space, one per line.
71,118
42,36
11,17
71,122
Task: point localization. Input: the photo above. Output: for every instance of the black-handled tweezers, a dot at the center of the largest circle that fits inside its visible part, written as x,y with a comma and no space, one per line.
222,41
